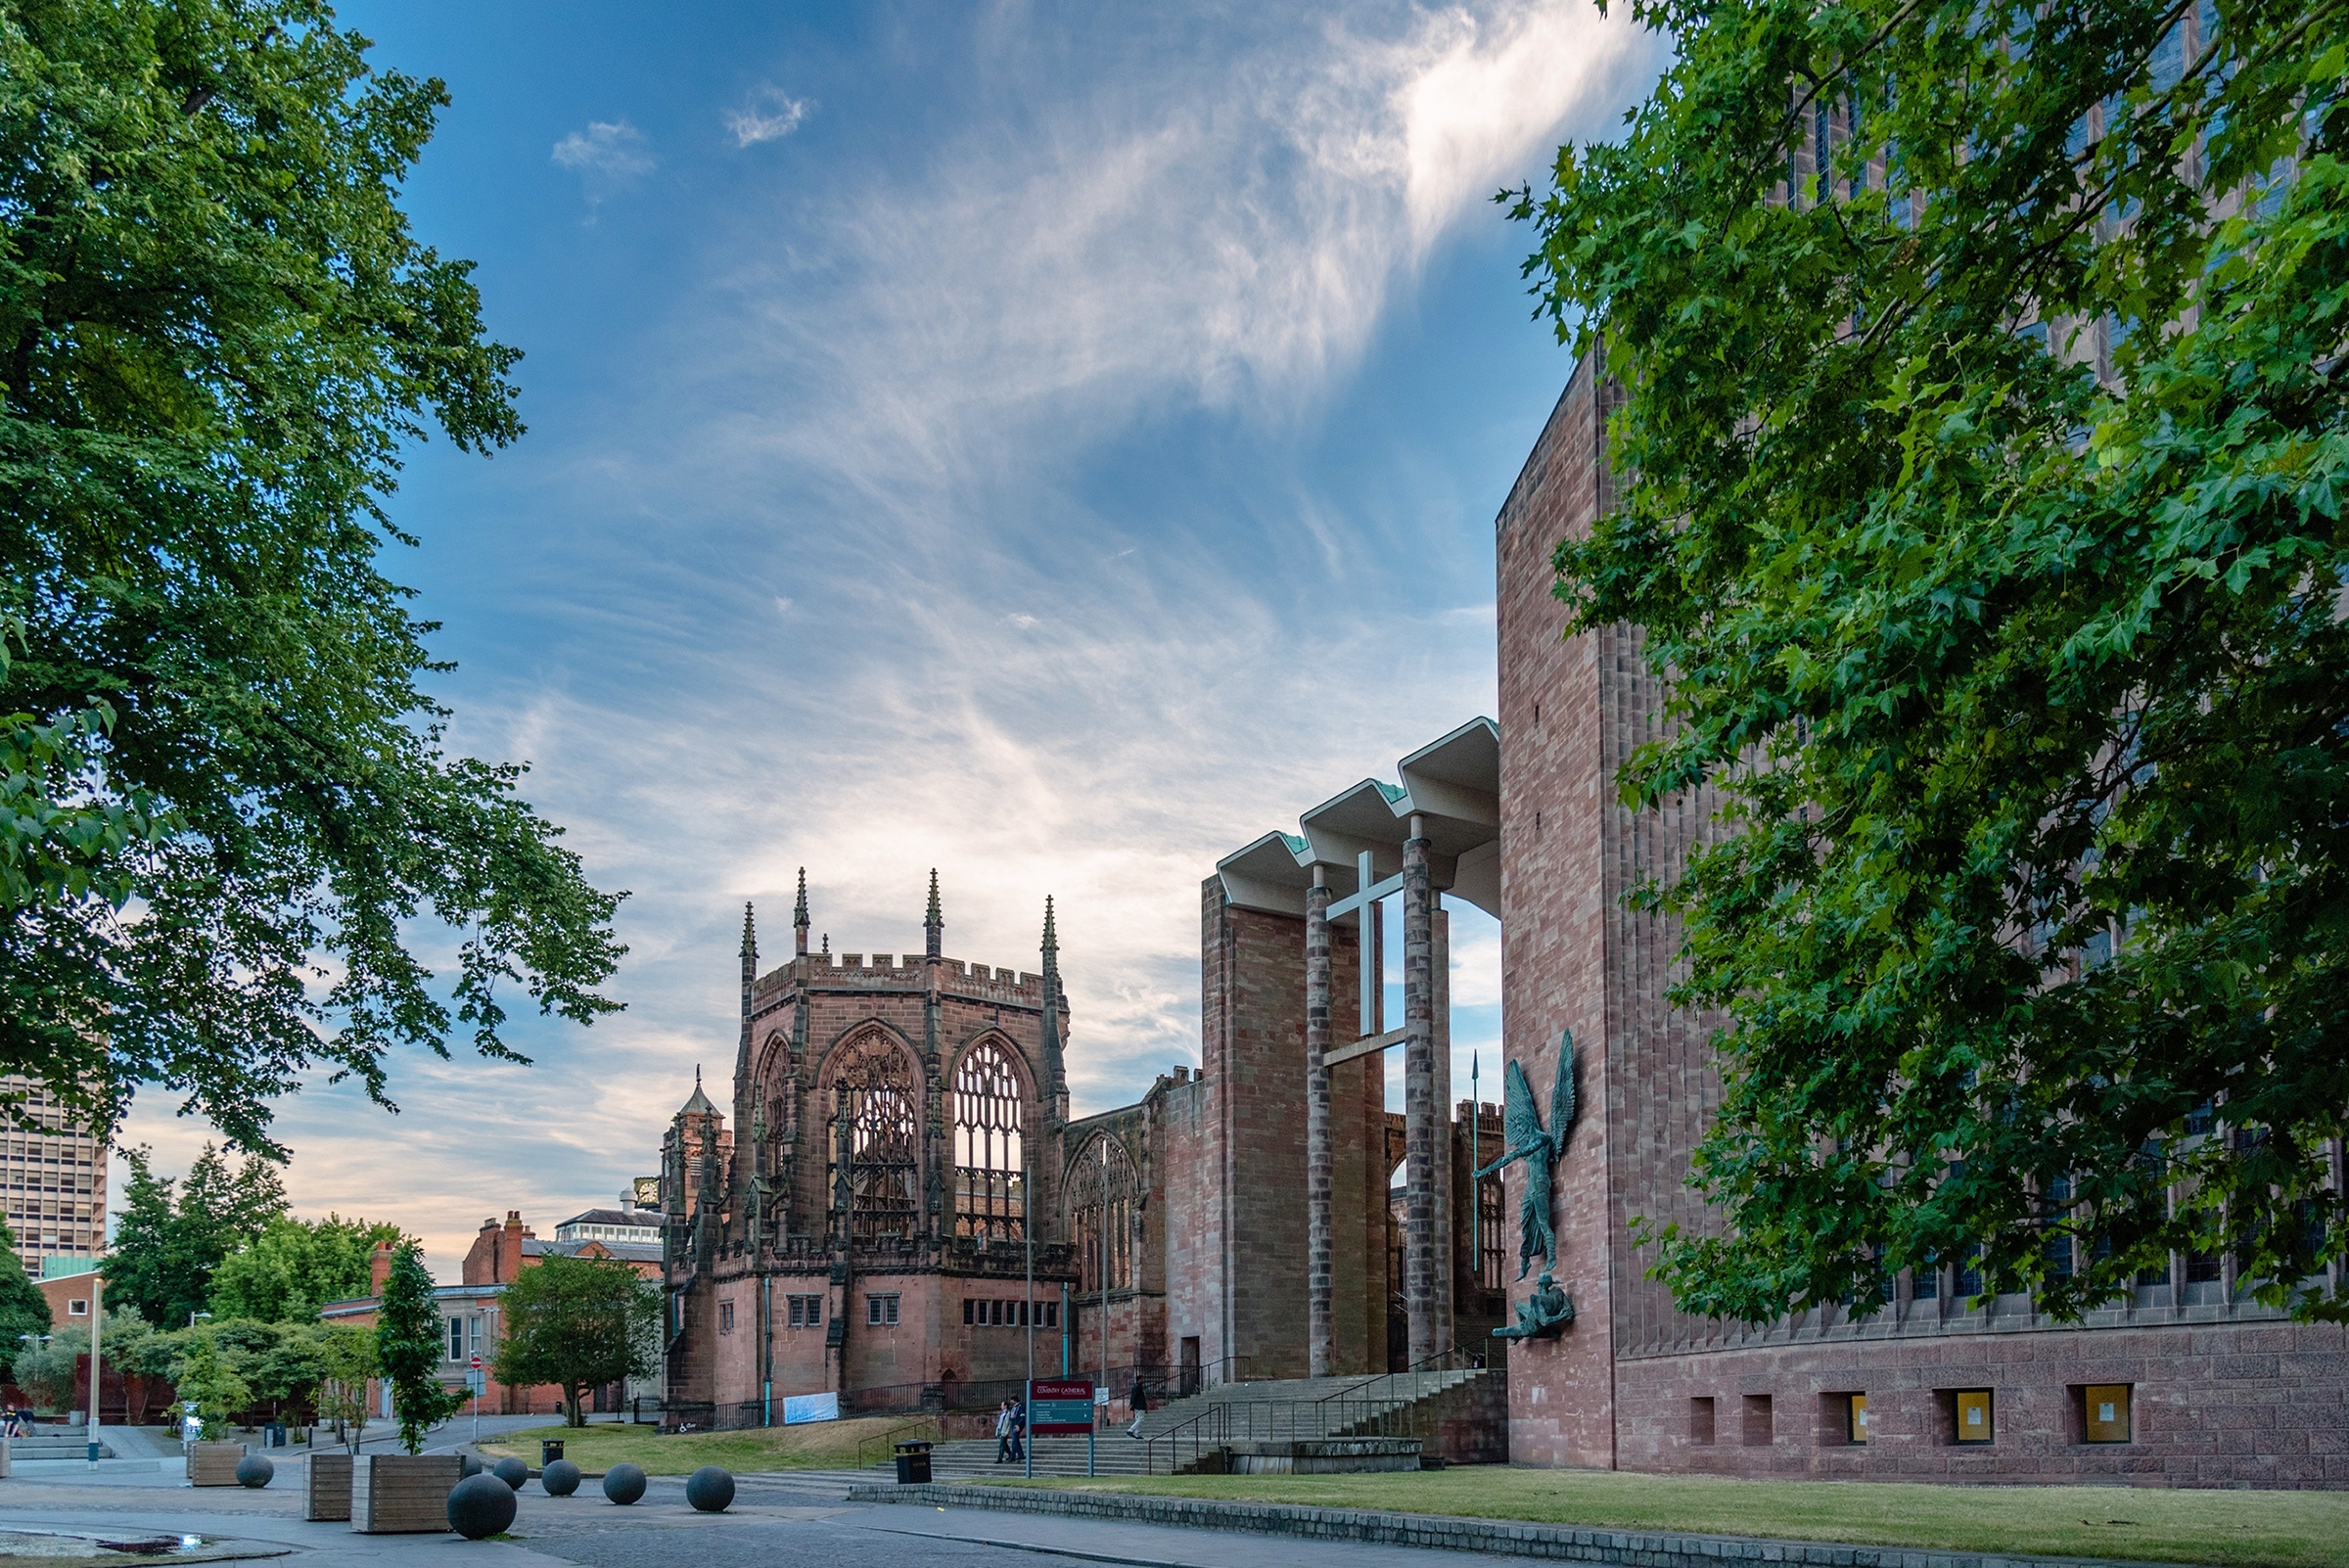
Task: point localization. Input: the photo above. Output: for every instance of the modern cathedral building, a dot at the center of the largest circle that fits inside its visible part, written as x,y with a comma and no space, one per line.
1266,1218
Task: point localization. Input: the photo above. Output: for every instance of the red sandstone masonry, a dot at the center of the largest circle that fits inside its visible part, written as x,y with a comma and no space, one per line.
2226,1394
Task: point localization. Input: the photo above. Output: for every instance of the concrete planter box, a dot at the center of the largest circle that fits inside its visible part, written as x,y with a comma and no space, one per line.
213,1464
402,1494
326,1485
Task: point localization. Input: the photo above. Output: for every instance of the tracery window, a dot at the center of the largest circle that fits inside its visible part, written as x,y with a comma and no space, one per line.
1102,1185
872,1089
990,1199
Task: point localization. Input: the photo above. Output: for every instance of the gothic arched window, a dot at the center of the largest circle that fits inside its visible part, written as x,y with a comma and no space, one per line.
990,1198
1101,1185
872,1096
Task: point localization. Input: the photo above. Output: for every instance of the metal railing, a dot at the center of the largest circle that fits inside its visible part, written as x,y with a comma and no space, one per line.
1226,1422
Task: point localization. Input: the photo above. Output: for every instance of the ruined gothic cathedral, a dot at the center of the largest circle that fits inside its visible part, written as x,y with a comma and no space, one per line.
896,1124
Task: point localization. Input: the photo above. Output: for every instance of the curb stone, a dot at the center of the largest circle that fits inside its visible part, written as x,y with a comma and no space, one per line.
1503,1536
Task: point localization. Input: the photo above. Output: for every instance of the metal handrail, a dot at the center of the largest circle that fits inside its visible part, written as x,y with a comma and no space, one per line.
1226,1421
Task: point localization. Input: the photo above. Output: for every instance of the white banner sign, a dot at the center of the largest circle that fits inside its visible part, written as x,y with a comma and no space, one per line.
797,1407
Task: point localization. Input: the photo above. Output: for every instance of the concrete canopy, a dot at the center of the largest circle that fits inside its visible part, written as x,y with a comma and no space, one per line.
1452,785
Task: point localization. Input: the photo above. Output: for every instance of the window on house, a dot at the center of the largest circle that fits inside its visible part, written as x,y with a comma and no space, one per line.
472,1334
1051,1315
725,1317
989,1201
881,1311
969,1310
77,1309
2104,1412
1700,1422
456,1339
1973,1413
805,1311
2202,1268
1925,1284
1969,1272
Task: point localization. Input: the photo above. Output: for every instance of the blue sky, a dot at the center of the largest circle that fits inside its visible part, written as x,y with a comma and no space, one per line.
1055,445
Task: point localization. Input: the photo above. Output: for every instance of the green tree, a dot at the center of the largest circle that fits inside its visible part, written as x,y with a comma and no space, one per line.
24,1310
223,780
347,1360
578,1324
295,1267
408,1344
46,1367
1982,514
173,1234
208,1375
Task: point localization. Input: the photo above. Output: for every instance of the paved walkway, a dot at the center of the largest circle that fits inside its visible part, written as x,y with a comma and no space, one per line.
791,1520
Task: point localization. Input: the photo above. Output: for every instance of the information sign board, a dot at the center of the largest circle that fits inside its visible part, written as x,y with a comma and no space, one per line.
1060,1409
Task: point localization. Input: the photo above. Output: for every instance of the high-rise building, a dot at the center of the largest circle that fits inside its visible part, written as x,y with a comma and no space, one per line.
53,1175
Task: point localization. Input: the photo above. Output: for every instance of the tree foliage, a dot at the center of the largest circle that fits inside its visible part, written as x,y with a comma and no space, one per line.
295,1267
578,1324
223,794
173,1234
24,1310
407,1349
1982,512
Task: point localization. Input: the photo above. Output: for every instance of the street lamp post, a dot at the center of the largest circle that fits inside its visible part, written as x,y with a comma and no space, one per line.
1028,1316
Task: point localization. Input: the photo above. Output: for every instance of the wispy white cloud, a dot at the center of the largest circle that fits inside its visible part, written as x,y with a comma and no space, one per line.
607,156
769,115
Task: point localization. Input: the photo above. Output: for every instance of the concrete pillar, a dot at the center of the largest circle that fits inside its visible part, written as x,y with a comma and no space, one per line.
1320,1338
1420,1102
1446,1222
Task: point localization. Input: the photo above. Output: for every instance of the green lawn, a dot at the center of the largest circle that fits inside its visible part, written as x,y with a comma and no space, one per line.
2238,1529
814,1446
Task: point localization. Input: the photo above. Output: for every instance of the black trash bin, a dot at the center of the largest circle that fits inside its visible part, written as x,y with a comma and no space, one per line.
913,1462
549,1451
273,1434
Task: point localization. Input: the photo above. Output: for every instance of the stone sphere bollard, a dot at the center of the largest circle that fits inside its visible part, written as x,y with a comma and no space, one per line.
561,1478
710,1488
512,1471
468,1465
623,1484
254,1470
480,1505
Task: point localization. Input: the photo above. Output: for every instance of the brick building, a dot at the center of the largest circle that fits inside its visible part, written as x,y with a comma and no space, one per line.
471,1312
2186,1384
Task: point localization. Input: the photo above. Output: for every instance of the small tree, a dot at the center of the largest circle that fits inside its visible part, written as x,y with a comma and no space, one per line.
578,1324
45,1367
24,1310
407,1349
208,1377
346,1357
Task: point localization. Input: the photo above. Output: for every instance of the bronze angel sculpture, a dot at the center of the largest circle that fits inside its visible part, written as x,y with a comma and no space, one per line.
1521,1129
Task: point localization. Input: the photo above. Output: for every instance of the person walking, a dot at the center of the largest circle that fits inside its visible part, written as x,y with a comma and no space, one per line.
1139,1398
1003,1453
1019,1431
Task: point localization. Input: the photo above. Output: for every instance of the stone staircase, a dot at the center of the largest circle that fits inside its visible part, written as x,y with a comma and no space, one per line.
1286,1410
58,1443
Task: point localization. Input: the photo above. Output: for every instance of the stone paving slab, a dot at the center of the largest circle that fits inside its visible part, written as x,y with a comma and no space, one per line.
1509,1538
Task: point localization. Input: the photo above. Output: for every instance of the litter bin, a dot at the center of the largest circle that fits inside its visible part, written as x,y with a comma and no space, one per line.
549,1451
913,1462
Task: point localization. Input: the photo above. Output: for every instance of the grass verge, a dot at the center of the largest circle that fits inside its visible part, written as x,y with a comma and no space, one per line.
814,1446
2233,1529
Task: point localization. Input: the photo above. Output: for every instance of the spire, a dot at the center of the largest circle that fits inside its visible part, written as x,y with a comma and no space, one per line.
700,1104
933,923
798,915
750,933
1056,1086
